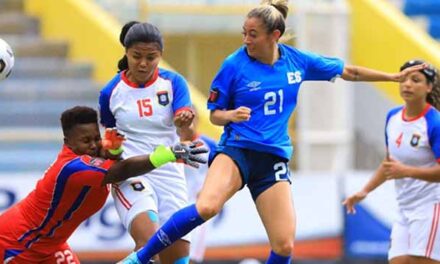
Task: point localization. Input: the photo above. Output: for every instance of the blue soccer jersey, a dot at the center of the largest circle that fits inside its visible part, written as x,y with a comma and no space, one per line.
270,91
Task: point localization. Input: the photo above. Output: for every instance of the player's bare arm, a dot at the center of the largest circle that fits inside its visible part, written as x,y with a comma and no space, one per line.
183,119
377,180
223,117
182,152
363,74
398,170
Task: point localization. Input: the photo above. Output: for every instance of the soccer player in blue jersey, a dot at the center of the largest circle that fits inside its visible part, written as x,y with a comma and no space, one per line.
253,97
412,137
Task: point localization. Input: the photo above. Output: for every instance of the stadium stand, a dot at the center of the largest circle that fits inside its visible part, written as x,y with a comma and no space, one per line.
427,11
43,83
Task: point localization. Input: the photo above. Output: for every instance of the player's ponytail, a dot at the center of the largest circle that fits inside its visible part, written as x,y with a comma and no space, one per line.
272,13
135,32
123,62
280,5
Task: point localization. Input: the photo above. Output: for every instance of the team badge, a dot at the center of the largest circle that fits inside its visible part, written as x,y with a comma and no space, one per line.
163,98
415,140
138,186
213,95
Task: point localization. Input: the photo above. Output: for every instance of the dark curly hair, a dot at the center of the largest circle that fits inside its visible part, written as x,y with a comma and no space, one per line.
77,115
431,74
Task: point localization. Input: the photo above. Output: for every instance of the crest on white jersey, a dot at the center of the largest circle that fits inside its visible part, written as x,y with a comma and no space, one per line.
415,140
163,98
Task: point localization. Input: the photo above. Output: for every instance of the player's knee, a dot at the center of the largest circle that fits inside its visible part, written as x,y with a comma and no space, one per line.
139,242
283,247
208,209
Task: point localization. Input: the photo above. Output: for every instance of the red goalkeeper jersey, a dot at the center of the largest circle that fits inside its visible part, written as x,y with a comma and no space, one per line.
69,193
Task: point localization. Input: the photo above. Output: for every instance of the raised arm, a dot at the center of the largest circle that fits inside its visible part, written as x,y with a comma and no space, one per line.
363,74
138,165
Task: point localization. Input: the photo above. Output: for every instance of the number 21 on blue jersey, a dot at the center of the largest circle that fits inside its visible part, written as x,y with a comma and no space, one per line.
273,102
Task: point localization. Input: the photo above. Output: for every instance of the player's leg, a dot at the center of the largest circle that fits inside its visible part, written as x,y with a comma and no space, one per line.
142,227
137,209
269,184
177,253
172,195
398,252
222,182
422,260
275,207
400,260
424,234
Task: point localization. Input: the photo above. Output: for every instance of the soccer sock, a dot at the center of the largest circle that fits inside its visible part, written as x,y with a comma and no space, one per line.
274,258
179,224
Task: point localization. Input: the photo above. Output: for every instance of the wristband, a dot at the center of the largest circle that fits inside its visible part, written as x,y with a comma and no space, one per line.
116,152
161,155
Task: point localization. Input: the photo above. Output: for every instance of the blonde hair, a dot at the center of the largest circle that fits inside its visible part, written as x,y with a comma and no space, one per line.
272,13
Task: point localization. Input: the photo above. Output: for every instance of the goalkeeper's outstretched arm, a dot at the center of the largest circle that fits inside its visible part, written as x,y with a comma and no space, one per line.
138,165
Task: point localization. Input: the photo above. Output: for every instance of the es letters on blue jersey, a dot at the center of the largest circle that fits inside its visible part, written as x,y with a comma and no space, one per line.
294,77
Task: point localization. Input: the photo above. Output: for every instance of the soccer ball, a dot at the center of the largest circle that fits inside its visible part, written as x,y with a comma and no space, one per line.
6,59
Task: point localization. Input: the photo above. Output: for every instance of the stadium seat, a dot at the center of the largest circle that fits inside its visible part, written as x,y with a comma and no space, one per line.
421,7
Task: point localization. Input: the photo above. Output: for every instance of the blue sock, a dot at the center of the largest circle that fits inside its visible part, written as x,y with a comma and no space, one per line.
274,258
179,224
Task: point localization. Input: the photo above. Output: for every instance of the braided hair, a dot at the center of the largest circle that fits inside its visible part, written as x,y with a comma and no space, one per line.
432,77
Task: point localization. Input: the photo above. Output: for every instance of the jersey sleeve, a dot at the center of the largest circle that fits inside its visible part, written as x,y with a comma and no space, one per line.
386,126
387,120
106,115
89,171
433,121
219,94
181,97
321,68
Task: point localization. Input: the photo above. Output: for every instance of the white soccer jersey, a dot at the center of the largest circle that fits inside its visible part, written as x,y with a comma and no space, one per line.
414,142
145,116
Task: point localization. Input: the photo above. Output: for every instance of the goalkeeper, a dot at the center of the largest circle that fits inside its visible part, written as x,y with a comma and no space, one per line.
75,187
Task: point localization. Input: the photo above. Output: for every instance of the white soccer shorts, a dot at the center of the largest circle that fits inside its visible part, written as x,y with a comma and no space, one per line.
417,233
162,191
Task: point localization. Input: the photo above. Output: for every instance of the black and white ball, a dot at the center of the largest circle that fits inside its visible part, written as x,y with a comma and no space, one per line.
6,59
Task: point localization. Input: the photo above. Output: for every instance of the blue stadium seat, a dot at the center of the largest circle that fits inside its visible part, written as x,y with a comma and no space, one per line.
421,7
434,26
